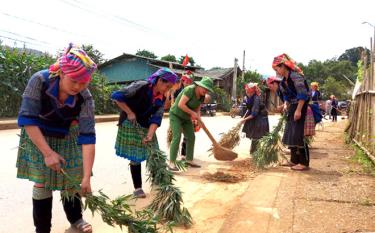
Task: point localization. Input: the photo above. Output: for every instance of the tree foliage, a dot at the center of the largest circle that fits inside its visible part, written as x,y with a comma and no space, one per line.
94,54
332,87
249,76
354,55
146,53
338,70
169,57
18,65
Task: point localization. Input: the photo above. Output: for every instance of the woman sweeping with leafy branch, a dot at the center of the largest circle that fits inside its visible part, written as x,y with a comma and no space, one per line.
57,121
296,95
256,118
142,102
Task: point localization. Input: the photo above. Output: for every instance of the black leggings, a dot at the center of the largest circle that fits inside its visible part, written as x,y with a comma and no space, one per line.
334,114
300,155
136,171
183,147
42,212
254,145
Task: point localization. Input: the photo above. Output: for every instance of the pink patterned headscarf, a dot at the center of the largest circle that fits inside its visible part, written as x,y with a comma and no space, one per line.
287,61
75,64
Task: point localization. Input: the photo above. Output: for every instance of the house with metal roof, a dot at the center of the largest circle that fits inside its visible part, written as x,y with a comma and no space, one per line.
129,67
223,77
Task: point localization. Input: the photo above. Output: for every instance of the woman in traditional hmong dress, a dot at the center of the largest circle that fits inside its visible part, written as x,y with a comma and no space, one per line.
57,132
334,108
256,117
315,93
296,96
142,109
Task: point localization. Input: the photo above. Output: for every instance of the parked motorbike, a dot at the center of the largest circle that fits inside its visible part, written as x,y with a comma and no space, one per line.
208,109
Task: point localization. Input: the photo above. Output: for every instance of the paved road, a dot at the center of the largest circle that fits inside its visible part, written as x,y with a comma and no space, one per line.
111,174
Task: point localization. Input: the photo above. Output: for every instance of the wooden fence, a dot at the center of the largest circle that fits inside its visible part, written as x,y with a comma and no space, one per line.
361,129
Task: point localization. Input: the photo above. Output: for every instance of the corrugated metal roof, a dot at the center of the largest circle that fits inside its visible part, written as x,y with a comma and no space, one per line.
159,62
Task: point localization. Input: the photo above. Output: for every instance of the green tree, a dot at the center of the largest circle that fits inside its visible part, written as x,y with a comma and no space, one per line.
146,53
169,57
249,76
340,71
332,87
191,60
101,92
354,55
94,54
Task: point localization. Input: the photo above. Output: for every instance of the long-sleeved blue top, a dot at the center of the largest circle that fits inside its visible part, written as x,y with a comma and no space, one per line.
139,97
40,107
294,88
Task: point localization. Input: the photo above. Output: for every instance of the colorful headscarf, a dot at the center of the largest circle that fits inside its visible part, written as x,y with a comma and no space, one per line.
287,61
272,79
75,64
187,79
165,74
253,86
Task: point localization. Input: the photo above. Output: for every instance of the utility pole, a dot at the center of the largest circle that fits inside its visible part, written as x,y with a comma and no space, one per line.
234,87
243,66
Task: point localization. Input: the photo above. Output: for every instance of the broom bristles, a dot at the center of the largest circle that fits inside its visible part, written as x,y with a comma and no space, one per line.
231,138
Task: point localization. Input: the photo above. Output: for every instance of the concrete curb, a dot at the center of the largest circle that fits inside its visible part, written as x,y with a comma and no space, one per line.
12,123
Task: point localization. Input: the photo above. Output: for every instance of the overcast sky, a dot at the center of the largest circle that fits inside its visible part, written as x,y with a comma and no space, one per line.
213,32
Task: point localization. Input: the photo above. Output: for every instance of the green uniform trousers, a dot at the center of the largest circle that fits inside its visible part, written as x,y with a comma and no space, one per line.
178,126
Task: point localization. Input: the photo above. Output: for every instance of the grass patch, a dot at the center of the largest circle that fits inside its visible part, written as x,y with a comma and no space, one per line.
360,157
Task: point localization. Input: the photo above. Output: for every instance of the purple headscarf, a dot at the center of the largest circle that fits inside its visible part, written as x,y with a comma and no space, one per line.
163,73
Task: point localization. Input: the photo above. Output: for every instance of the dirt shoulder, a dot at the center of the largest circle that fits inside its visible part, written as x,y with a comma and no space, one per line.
335,195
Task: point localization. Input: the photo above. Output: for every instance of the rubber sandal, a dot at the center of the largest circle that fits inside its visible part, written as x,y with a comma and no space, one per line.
82,226
139,193
191,164
288,164
173,169
299,168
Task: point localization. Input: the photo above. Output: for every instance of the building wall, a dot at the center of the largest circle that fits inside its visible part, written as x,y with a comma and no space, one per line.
127,70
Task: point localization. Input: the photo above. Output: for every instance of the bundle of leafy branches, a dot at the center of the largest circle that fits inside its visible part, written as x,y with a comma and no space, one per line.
167,206
168,203
231,138
267,151
116,212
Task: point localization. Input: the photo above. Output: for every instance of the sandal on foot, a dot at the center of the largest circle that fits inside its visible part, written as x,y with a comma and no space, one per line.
82,226
299,167
139,193
288,164
191,164
172,168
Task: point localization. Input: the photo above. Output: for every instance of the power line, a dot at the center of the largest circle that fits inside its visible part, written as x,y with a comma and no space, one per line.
30,38
41,24
108,16
23,41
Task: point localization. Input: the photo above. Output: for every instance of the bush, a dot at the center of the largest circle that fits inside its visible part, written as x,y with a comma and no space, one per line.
101,92
222,98
18,65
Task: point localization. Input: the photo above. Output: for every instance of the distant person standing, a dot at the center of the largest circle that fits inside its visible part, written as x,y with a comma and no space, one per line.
329,107
334,108
315,93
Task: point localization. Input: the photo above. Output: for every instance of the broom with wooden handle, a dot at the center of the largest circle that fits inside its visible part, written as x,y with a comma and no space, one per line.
220,153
